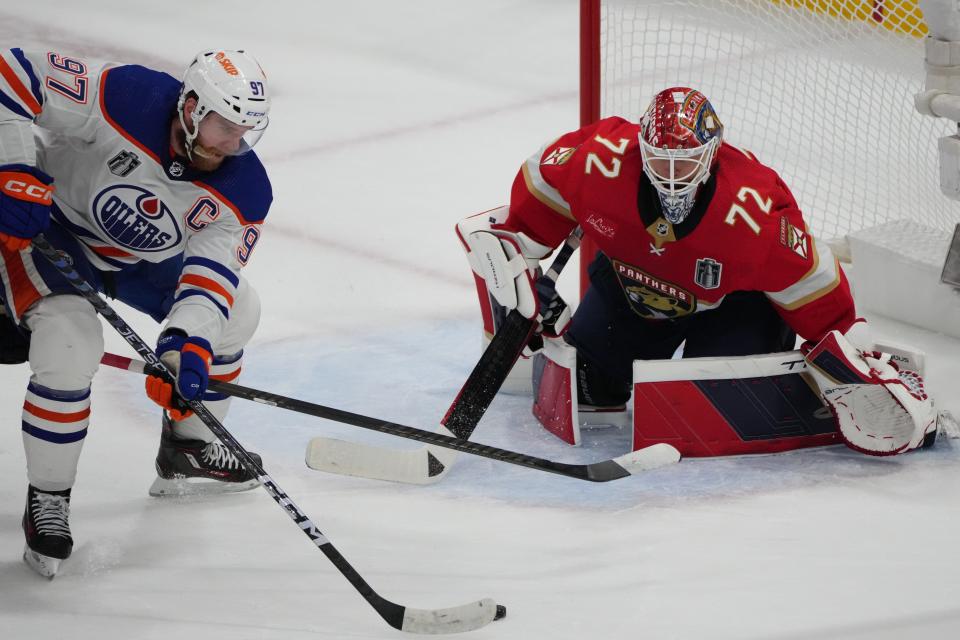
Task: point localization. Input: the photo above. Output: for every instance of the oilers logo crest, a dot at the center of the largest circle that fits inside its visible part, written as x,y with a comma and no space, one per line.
136,219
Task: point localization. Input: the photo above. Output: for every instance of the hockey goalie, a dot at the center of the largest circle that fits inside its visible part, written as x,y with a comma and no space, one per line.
702,250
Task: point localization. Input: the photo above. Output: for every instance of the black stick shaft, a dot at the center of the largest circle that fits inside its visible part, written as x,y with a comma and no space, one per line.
598,472
501,354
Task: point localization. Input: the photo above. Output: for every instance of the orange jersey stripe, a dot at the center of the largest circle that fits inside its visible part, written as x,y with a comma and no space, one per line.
226,377
22,92
54,416
208,284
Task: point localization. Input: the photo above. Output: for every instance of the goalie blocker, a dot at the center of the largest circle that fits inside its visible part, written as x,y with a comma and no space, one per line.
753,404
505,268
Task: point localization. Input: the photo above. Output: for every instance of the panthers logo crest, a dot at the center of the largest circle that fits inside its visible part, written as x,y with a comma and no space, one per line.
652,298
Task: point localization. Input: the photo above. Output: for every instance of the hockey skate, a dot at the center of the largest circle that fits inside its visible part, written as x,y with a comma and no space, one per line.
46,525
195,467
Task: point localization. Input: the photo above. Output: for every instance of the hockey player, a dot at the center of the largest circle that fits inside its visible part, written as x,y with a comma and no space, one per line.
149,186
701,245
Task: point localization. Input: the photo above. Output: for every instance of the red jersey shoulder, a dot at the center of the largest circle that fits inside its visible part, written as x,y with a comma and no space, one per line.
735,165
571,149
598,151
758,209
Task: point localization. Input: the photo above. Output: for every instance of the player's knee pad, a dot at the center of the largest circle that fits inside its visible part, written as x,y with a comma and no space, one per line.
244,319
66,342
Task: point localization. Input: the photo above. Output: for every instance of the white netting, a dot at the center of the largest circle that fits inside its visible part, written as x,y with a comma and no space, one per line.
822,92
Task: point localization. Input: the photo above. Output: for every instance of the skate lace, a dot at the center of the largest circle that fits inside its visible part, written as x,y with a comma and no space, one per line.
51,514
217,455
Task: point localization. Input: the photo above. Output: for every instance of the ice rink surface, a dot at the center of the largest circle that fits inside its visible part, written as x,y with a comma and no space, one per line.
392,120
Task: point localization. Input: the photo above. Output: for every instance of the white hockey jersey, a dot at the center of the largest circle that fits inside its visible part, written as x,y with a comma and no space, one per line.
102,131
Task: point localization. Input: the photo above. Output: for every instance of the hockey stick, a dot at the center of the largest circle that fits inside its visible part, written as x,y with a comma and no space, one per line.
429,464
629,464
465,617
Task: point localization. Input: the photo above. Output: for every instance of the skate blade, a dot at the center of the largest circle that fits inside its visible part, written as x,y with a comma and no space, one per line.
44,565
177,487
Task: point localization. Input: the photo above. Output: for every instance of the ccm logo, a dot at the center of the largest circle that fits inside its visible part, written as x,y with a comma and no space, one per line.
33,192
227,65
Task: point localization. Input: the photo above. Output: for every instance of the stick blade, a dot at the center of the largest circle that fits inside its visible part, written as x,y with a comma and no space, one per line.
425,465
467,617
648,458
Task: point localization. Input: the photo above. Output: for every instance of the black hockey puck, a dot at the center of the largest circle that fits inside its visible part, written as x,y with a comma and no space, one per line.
501,612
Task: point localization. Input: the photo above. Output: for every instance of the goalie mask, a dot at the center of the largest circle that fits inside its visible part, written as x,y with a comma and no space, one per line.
679,137
232,85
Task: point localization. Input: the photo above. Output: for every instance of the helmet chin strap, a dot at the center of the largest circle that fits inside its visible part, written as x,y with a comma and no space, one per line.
190,139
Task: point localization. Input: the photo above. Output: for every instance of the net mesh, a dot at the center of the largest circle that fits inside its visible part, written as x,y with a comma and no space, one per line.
820,91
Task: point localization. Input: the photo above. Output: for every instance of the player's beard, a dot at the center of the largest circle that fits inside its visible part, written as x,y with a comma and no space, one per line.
201,158
204,159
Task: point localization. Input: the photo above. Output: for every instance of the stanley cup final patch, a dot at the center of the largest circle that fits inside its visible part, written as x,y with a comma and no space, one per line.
708,273
123,163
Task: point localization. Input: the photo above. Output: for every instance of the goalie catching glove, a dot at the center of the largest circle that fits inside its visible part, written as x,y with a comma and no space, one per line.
508,264
880,409
189,358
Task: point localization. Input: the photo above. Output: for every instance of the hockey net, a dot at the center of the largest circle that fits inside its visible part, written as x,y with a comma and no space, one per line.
822,91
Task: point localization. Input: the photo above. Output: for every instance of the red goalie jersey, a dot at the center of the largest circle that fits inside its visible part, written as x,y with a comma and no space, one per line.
745,233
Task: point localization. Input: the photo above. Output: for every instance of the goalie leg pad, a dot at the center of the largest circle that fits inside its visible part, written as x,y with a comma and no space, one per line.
569,394
555,390
729,406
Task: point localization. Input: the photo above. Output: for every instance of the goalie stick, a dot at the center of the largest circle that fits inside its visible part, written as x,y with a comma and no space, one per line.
429,464
629,464
465,617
